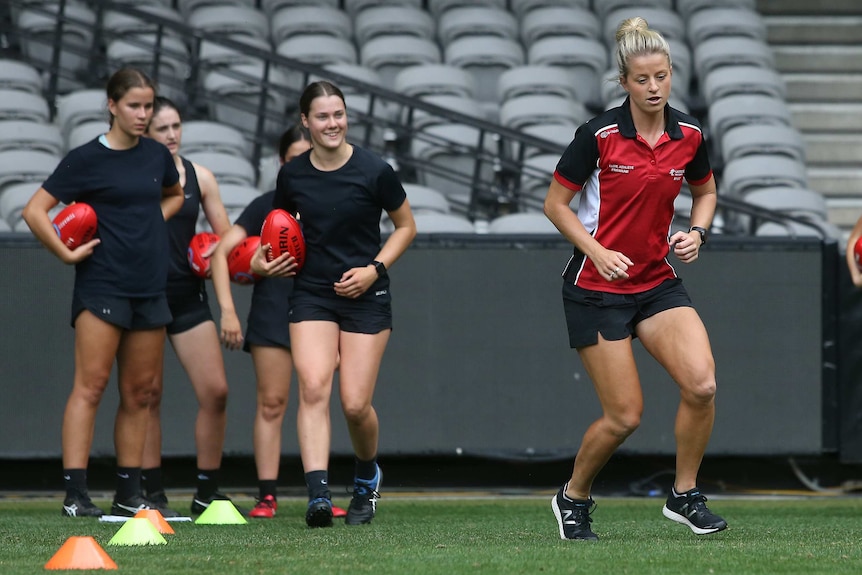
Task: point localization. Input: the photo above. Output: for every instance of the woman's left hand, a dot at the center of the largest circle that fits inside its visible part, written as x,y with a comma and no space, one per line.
686,245
356,281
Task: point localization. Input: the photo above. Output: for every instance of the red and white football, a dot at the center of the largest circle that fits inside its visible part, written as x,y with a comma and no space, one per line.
76,224
239,261
282,232
201,244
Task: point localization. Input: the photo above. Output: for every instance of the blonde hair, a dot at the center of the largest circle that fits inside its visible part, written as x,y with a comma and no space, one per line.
635,38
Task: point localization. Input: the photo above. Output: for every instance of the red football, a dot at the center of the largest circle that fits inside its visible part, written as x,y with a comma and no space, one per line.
239,261
857,253
282,232
201,244
76,224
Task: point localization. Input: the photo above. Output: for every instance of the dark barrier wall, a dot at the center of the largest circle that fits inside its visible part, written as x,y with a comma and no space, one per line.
479,359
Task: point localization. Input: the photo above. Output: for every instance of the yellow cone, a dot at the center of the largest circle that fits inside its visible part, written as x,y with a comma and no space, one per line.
221,512
138,531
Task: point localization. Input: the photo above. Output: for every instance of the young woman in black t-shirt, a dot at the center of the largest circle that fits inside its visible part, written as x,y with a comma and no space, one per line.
119,308
192,332
340,303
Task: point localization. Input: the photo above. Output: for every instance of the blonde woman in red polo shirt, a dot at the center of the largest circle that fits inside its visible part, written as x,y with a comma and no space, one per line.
627,166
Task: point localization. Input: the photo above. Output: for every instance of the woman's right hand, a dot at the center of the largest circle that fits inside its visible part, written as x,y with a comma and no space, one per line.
611,265
80,253
231,331
283,266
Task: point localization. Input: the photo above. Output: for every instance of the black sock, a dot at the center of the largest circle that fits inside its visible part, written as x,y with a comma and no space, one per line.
318,484
151,480
128,482
207,483
366,469
75,481
267,487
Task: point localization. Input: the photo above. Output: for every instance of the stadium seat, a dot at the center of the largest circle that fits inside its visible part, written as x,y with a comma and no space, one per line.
393,20
13,198
476,21
37,32
4,227
425,199
270,7
25,106
537,175
518,113
745,140
15,75
433,223
523,223
790,200
82,133
728,112
388,55
356,7
230,19
206,136
687,8
18,166
213,55
486,57
586,58
716,22
81,106
119,24
187,7
235,198
558,21
634,7
522,7
731,51
735,80
558,135
318,20
447,154
137,51
795,230
438,7
228,168
530,80
422,119
236,94
318,49
747,173
434,79
23,135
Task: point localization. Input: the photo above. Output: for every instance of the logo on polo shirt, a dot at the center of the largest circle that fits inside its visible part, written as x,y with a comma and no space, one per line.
606,133
676,174
620,168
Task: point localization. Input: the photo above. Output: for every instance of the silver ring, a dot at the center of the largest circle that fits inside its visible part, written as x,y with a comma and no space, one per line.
618,271
613,274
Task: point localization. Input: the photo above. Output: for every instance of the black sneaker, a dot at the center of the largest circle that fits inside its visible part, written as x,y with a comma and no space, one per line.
160,502
690,509
573,516
80,505
319,513
200,504
130,506
363,505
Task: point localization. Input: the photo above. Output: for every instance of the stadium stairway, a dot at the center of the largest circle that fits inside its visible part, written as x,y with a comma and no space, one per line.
818,51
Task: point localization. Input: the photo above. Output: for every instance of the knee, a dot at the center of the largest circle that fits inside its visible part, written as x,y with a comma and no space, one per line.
701,393
140,397
625,423
271,408
357,412
313,393
215,398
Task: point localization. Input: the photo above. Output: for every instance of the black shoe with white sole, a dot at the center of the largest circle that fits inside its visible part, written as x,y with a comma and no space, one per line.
573,516
690,509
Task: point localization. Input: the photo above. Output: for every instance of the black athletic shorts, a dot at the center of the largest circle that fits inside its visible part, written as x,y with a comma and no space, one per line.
353,315
268,323
129,313
614,315
189,306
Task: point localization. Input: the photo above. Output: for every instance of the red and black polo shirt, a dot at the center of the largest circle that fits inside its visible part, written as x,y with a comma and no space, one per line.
628,190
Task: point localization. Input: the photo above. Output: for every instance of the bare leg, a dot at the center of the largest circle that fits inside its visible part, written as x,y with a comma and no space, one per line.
273,367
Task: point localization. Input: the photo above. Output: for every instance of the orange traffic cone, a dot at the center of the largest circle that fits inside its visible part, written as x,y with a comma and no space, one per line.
80,553
157,519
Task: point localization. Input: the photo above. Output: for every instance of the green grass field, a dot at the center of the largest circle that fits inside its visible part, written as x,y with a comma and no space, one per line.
468,535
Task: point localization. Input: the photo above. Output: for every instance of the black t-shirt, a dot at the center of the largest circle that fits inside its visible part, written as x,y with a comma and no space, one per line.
181,229
339,214
124,187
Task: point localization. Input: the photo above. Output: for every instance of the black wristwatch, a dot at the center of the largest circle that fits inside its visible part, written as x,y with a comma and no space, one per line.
702,231
381,269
